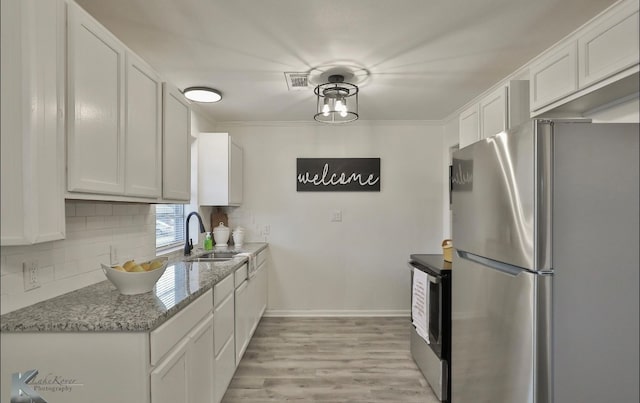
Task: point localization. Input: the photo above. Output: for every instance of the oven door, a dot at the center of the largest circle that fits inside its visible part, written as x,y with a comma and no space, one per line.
434,309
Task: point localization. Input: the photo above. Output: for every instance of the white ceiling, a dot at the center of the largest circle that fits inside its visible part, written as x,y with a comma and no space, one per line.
425,58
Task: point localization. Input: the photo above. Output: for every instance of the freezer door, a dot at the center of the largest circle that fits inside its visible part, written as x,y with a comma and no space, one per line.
500,335
501,192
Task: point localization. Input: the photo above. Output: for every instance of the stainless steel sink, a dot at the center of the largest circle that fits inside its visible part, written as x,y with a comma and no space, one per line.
209,259
228,255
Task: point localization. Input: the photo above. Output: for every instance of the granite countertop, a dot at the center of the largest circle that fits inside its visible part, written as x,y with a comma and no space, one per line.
101,308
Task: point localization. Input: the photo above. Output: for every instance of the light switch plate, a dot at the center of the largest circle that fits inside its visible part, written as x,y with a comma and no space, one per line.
336,216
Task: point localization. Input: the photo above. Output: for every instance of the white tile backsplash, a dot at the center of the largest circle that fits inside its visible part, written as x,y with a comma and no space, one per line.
65,265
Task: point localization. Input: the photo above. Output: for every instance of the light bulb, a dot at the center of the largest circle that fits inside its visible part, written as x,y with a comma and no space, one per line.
339,105
325,110
343,114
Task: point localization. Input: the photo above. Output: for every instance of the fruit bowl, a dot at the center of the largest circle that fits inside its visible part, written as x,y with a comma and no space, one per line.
136,282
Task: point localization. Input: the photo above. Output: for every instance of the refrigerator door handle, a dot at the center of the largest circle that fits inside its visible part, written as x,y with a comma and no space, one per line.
493,264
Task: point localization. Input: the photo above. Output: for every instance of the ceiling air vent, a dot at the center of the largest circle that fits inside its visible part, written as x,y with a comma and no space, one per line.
297,81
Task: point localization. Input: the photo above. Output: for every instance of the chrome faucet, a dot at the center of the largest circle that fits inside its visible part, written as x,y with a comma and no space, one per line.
188,243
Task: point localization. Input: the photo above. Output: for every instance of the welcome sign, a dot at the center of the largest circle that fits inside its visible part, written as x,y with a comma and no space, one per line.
338,174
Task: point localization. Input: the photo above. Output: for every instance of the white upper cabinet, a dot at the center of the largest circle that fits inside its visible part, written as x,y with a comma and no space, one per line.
493,113
32,133
554,76
592,67
176,145
127,140
469,126
610,45
220,170
505,107
96,106
143,130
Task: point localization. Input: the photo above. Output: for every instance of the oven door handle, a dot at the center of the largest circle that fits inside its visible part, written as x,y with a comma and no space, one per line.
431,277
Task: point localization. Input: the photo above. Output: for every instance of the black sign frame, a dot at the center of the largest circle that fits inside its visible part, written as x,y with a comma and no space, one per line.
338,174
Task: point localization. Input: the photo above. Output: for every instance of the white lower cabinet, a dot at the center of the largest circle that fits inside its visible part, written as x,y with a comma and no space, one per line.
182,355
243,318
201,363
186,374
190,358
224,335
169,378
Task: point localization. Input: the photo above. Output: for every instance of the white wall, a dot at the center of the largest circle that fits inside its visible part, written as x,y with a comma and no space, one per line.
451,130
357,266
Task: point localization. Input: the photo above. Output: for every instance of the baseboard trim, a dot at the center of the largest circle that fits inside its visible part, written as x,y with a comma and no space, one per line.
279,313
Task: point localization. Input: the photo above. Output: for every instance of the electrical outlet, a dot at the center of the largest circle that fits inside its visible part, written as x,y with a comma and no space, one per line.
30,275
266,230
336,216
113,255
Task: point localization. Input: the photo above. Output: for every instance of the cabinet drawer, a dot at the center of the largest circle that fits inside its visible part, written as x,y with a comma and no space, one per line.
169,333
223,323
222,290
241,274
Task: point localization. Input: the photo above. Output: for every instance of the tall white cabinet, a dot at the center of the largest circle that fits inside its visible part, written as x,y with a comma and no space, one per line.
176,145
143,147
96,100
220,170
33,112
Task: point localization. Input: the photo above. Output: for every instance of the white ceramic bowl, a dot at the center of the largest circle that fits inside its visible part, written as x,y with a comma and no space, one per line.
132,283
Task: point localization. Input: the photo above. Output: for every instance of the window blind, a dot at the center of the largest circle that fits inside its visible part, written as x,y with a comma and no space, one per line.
169,225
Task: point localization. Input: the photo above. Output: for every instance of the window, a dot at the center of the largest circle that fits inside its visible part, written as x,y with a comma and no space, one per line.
169,225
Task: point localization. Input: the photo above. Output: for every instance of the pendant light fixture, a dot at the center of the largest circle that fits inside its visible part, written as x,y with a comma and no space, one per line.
202,94
337,101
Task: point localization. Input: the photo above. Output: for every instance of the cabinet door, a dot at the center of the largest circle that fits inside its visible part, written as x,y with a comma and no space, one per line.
469,126
493,113
176,150
144,130
235,175
610,45
225,366
262,278
32,133
201,360
169,378
243,315
224,323
95,135
554,76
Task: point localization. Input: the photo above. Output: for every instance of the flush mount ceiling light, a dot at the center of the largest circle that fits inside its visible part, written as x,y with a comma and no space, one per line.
337,101
202,94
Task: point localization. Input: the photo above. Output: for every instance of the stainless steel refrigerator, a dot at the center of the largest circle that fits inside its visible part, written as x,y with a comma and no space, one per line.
545,274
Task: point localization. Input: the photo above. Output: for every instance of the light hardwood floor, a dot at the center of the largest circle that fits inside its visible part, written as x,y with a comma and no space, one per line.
335,360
